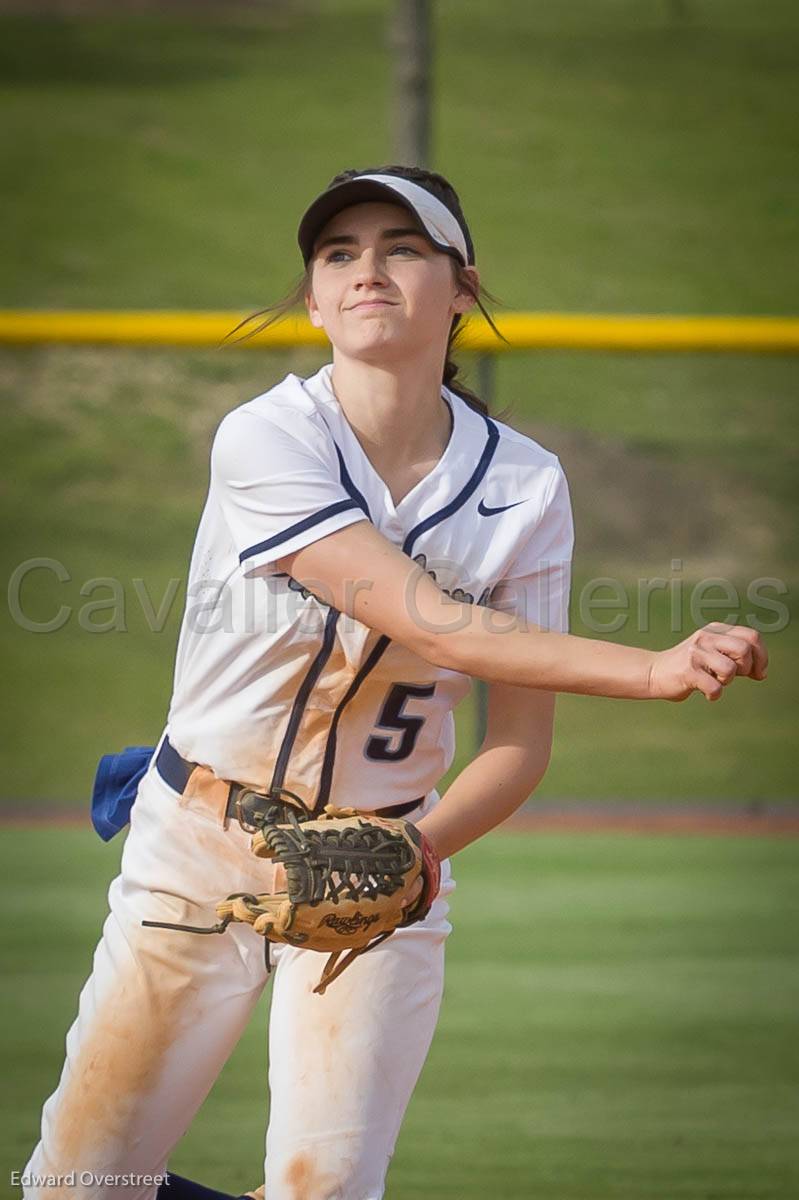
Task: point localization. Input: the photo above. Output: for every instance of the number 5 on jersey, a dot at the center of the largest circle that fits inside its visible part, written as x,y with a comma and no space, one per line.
387,749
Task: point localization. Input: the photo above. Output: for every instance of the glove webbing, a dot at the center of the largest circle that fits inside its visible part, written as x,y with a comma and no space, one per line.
342,864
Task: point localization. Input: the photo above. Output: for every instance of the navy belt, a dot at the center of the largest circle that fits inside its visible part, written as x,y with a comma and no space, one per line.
176,770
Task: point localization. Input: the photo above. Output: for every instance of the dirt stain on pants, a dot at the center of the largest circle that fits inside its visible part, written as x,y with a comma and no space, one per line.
102,1101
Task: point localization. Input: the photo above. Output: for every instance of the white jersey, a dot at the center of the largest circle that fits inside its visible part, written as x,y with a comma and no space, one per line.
274,687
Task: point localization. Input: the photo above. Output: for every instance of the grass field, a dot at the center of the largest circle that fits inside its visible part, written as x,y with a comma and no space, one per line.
619,1021
609,156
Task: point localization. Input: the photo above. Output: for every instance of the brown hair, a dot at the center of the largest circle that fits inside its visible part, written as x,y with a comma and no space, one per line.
296,297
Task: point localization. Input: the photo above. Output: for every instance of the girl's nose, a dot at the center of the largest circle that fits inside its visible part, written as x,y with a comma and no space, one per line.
370,268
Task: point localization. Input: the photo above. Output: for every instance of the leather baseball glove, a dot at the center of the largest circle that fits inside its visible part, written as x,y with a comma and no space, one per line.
351,880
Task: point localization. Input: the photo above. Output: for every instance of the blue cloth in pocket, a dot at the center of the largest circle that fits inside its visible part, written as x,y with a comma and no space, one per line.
115,786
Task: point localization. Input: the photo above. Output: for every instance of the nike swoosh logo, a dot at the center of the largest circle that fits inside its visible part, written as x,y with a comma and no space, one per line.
485,511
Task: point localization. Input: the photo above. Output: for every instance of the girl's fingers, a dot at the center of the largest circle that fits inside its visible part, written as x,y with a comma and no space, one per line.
718,664
758,662
702,681
735,648
759,658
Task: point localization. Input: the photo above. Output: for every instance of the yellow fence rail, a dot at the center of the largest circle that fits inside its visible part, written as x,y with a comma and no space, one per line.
523,330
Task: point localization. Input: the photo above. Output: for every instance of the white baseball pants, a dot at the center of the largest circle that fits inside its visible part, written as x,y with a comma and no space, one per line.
162,1011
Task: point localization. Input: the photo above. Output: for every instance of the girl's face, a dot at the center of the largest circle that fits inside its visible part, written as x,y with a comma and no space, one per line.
378,288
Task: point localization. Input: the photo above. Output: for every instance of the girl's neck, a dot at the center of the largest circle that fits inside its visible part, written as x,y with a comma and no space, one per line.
396,411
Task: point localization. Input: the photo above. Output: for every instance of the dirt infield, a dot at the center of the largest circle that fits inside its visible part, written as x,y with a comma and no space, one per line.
753,819
685,821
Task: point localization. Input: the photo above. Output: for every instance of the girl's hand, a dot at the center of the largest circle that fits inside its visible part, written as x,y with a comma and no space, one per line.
707,662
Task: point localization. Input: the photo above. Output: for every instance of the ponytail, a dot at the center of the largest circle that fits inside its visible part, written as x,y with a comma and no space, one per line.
451,368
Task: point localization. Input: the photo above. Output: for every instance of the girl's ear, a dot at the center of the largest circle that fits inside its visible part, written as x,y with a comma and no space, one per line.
464,299
314,315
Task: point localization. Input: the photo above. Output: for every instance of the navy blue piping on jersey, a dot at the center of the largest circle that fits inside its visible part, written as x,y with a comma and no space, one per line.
326,777
328,637
306,523
302,696
348,485
380,647
463,495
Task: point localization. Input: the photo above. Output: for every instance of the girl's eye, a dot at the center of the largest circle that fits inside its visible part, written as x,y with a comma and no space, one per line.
336,255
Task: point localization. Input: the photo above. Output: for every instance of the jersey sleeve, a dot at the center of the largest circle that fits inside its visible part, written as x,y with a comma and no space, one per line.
278,485
538,580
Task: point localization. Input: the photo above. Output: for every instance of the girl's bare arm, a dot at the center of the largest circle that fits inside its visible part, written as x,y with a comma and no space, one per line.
362,573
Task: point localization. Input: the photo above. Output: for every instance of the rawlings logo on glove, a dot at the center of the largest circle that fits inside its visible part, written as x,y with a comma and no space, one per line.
346,925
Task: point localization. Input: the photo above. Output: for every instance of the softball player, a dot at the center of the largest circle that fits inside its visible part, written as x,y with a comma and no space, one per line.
370,541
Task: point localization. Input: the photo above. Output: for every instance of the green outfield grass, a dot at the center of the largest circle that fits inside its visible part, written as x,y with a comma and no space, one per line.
619,1021
609,158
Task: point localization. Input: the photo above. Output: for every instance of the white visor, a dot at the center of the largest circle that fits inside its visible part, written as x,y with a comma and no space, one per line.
435,216
441,226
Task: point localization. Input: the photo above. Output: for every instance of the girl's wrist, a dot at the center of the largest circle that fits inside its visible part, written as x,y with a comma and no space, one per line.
431,836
